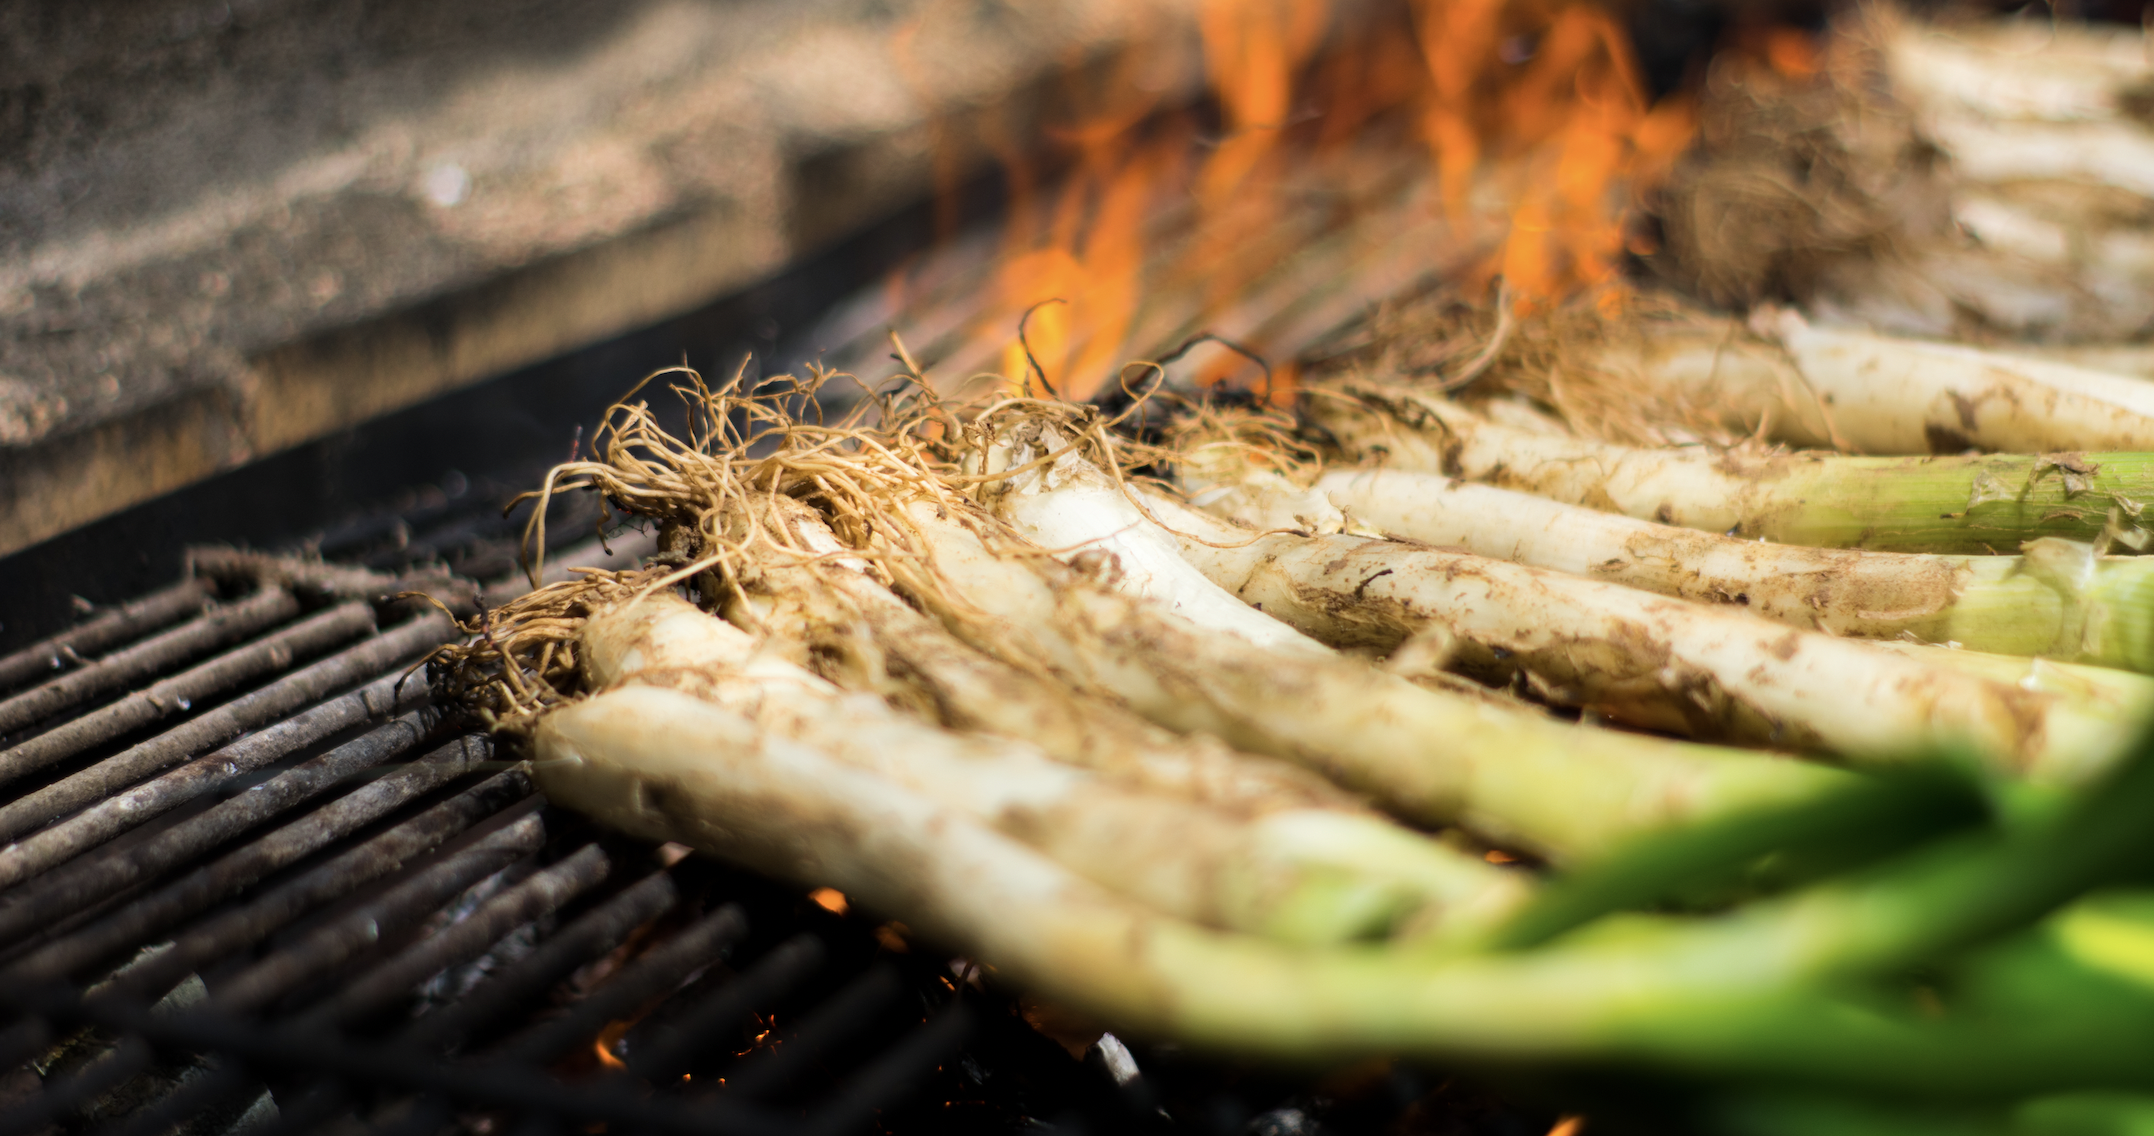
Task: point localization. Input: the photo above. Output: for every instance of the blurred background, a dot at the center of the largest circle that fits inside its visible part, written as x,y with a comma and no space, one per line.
258,235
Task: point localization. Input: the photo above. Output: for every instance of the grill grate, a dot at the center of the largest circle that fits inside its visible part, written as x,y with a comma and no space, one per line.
255,884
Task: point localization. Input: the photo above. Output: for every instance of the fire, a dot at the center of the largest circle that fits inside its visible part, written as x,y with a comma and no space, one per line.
607,1039
1551,86
829,899
1518,128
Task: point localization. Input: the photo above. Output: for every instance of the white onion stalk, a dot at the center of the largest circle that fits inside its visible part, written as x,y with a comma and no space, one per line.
662,765
2016,70
2119,155
865,638
2013,102
1068,506
2058,600
1556,789
2104,587
1652,661
1303,875
1877,394
1984,504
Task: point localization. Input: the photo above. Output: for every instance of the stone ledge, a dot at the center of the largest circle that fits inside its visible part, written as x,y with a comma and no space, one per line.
330,238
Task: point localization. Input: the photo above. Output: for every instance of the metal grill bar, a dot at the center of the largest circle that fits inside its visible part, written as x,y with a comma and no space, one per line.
614,553
116,626
786,966
425,1117
466,939
594,933
591,935
331,944
197,890
348,538
825,1028
432,543
67,891
275,1047
214,628
646,978
887,1078
249,711
178,694
314,1108
458,943
109,1071
191,1099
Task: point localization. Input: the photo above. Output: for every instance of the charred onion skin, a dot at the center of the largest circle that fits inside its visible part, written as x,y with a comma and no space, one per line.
1860,392
1430,755
2058,601
865,638
1952,505
1297,874
1701,670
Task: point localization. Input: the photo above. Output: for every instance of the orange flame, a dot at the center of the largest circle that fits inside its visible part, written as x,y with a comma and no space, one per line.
1553,81
1532,115
607,1039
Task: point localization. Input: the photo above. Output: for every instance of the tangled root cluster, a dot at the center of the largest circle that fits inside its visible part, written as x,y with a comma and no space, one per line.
1486,352
725,491
712,490
519,659
743,447
1799,176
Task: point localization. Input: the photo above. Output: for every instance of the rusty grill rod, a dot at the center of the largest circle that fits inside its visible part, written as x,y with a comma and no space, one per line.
126,1061
517,905
328,946
889,1076
206,885
433,543
775,975
837,1020
70,889
177,695
541,894
322,950
115,815
615,553
282,1048
250,711
189,1100
458,943
659,972
214,628
594,933
590,936
119,625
